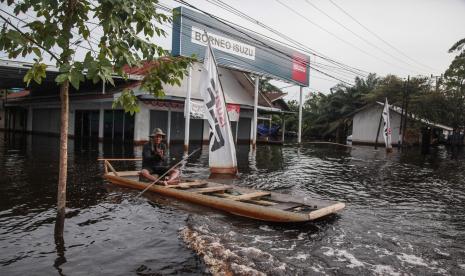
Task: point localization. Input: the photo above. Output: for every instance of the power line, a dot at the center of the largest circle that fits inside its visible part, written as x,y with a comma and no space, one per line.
25,22
262,44
299,45
285,57
341,39
379,37
359,36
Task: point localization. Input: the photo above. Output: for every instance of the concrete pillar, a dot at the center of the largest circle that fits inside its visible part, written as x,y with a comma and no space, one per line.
206,131
29,119
269,125
187,110
237,130
299,137
142,124
255,113
100,123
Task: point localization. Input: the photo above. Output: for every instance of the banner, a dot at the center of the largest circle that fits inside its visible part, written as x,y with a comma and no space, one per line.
234,111
387,126
222,151
197,110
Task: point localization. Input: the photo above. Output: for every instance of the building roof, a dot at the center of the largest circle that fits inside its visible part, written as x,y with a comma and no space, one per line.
399,111
274,95
18,95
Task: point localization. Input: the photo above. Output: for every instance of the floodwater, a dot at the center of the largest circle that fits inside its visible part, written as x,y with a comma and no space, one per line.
405,214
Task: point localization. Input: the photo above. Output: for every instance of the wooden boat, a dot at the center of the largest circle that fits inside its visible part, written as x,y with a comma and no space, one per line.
255,204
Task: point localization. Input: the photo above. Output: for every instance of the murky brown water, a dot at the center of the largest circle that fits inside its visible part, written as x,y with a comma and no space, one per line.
405,214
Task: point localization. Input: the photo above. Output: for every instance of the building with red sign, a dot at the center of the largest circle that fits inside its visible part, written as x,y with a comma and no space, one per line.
36,110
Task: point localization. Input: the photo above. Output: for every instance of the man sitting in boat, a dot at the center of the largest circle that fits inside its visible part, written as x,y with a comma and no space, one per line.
153,160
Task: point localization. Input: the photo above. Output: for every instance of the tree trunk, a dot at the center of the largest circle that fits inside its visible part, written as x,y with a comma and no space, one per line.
61,198
64,90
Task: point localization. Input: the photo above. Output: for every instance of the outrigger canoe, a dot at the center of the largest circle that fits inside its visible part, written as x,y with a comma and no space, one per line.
255,204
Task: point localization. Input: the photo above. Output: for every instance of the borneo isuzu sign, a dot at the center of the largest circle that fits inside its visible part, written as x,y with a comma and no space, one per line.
221,43
236,48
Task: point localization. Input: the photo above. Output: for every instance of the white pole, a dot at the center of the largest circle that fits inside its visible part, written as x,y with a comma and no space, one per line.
187,111
237,130
255,113
100,123
299,137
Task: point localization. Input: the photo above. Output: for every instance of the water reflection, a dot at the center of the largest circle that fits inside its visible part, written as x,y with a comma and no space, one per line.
59,242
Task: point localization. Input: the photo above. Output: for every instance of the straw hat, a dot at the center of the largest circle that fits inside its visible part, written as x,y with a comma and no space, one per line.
157,131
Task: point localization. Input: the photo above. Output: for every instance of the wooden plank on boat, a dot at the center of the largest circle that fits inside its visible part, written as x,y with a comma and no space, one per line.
111,168
259,202
187,185
326,211
119,159
215,189
250,195
128,173
287,205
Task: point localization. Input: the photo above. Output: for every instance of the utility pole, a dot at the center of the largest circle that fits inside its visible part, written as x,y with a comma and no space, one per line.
407,90
399,141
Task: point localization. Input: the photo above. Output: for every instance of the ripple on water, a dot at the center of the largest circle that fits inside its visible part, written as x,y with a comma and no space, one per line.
404,215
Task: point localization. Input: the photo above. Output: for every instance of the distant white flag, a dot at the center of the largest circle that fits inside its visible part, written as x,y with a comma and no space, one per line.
387,126
222,153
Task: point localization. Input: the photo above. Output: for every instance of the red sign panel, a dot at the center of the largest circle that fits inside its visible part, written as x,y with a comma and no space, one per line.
299,68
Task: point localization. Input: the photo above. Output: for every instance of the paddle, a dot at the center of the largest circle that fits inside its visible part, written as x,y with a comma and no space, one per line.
154,182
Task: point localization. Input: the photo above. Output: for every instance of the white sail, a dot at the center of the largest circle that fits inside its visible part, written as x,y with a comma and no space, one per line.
222,151
387,126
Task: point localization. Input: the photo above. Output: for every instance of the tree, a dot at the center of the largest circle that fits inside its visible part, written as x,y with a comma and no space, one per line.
455,85
62,26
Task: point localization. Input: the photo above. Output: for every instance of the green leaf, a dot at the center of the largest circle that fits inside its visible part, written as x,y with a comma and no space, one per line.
37,51
61,78
75,78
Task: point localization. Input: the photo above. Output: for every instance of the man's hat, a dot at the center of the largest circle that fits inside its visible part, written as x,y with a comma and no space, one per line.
157,131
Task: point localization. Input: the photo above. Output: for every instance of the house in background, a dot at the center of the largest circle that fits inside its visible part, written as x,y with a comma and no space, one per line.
92,116
365,123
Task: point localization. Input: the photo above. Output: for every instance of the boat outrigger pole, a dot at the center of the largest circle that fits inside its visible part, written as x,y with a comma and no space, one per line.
160,177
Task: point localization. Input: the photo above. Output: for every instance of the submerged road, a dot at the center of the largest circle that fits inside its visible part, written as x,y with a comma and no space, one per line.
405,214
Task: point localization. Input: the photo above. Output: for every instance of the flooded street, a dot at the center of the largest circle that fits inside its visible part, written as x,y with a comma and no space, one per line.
405,214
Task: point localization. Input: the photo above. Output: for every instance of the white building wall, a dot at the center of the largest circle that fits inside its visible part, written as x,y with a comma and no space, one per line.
142,123
236,91
365,125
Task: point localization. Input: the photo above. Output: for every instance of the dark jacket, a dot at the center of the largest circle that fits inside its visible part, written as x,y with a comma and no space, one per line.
151,158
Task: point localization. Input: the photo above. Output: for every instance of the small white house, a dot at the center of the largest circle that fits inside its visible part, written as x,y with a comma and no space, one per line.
365,123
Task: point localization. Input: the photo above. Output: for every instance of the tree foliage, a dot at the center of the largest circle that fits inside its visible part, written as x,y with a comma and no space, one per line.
330,115
59,28
128,28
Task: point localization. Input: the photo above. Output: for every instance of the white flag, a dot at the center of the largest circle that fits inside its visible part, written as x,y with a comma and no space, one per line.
222,153
387,126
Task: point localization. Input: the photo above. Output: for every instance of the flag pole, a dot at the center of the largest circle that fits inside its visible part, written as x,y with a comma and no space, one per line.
188,111
219,80
379,127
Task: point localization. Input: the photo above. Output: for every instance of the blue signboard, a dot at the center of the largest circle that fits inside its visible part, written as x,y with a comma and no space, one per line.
236,48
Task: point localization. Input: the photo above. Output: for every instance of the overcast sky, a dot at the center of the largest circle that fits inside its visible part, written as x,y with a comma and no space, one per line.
422,30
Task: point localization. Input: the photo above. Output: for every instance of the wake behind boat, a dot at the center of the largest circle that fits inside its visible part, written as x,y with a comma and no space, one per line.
245,202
